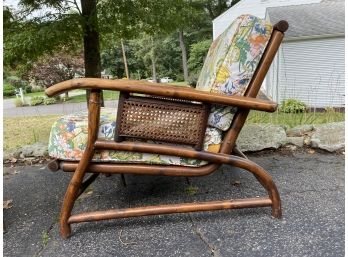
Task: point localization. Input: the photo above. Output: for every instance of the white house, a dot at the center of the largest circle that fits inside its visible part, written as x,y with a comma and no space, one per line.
254,7
310,63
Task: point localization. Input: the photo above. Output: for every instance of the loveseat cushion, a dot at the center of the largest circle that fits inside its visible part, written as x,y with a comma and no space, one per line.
68,140
231,63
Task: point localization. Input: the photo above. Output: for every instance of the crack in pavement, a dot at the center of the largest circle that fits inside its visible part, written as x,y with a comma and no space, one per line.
213,251
48,233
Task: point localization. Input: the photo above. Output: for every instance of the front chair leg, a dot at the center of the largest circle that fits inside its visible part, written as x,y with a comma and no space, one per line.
75,184
266,181
72,193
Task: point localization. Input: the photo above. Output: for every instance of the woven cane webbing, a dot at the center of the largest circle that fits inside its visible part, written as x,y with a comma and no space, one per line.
162,120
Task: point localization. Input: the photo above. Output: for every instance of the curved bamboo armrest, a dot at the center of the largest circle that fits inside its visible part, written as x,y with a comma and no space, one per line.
160,89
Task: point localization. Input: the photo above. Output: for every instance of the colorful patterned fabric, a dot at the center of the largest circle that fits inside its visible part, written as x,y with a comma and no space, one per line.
68,140
231,62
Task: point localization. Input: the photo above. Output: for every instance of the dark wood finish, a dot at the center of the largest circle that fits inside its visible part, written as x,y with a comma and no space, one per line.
238,159
263,177
143,169
53,165
143,87
76,181
172,208
281,26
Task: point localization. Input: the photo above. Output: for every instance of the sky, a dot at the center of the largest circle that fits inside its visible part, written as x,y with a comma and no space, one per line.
12,3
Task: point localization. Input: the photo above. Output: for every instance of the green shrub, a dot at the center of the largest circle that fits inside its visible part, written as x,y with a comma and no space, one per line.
48,101
292,106
36,100
9,90
18,102
198,52
28,89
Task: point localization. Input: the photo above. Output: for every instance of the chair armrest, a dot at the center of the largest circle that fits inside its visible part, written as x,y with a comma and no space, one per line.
160,89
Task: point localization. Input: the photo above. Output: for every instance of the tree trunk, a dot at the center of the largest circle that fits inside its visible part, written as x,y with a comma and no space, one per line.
183,54
124,59
153,60
91,41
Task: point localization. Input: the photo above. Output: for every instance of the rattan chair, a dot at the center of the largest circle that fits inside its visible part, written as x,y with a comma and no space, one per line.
156,120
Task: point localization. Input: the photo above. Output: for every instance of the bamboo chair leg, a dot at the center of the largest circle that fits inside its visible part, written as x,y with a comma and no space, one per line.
273,191
76,181
262,176
267,182
71,195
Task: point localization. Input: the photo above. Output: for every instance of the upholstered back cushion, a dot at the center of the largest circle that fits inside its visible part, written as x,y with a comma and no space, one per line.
231,62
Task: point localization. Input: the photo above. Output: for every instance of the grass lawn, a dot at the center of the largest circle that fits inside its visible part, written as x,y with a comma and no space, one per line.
108,95
21,131
181,83
291,120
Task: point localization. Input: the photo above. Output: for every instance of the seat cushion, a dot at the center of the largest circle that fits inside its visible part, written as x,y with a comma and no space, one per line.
231,63
68,140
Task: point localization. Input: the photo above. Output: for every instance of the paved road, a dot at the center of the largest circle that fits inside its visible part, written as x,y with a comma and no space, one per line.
311,187
65,108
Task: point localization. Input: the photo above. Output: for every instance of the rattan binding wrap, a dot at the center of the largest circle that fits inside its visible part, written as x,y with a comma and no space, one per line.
161,120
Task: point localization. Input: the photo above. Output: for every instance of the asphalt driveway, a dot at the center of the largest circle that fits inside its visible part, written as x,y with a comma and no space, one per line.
311,188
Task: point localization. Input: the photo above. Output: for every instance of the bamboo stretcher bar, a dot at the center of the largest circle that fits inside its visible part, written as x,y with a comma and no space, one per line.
168,209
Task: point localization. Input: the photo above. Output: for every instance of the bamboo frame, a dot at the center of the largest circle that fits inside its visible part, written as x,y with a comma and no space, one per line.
228,153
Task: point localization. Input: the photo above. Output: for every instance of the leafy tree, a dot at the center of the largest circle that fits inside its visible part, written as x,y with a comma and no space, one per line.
94,25
25,40
50,70
111,60
197,54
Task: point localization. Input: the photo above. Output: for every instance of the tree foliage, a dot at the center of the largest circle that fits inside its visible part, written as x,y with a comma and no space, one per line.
50,70
25,40
44,27
198,53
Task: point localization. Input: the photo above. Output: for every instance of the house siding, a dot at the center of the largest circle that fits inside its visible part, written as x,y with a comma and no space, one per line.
254,7
309,70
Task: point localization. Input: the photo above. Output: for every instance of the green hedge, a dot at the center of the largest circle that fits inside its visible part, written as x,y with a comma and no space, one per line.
37,100
9,90
48,101
292,106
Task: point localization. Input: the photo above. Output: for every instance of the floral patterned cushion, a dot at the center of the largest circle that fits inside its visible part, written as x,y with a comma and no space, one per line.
231,62
69,136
